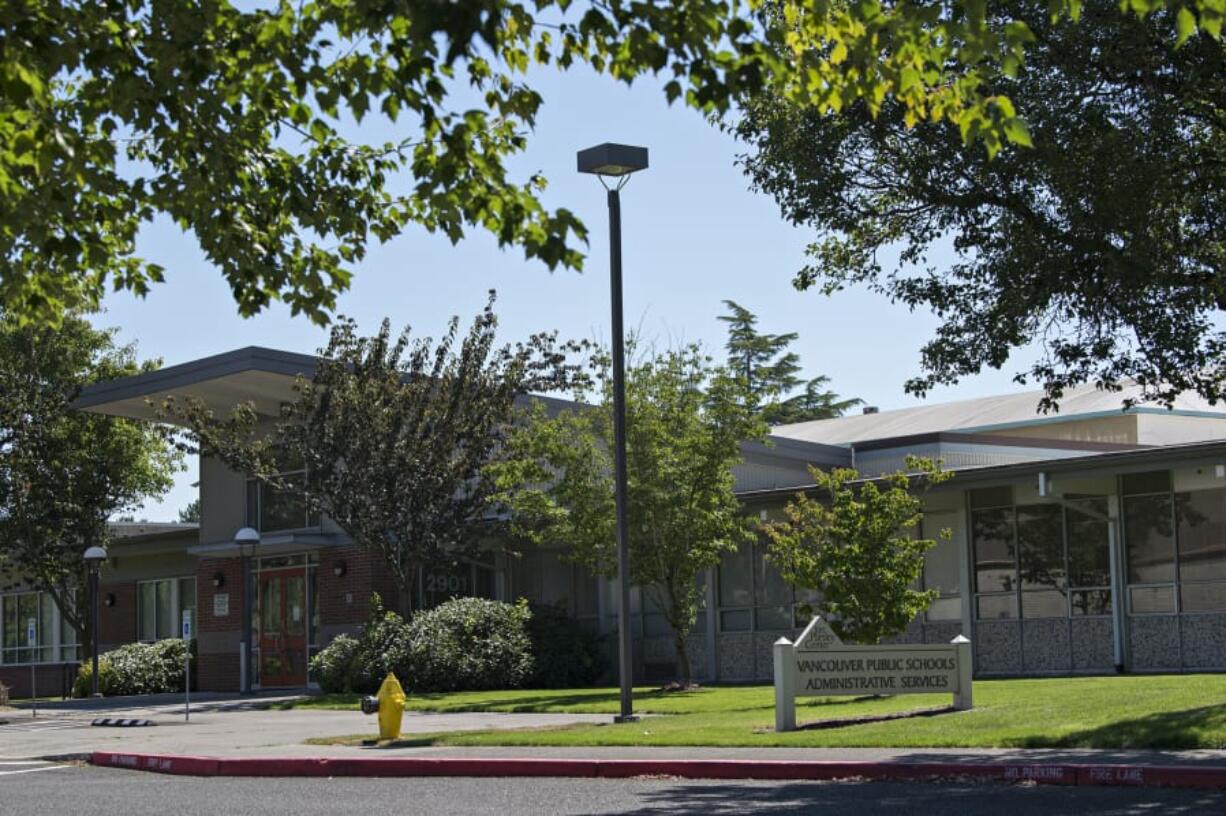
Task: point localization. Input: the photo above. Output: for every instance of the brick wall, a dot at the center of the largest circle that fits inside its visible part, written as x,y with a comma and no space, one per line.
231,571
117,623
346,600
53,679
217,672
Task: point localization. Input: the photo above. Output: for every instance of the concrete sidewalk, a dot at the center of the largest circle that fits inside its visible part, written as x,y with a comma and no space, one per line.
227,726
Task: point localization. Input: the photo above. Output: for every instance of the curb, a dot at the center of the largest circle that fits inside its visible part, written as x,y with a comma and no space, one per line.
1174,776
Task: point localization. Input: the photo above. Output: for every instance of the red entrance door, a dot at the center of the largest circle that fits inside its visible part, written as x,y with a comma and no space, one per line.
283,626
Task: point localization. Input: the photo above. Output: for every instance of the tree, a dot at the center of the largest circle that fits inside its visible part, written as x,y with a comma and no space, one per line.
393,433
685,421
1101,244
856,545
191,513
770,371
229,121
63,472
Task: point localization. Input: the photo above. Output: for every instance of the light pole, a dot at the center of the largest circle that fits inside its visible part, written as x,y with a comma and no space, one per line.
94,558
246,538
618,162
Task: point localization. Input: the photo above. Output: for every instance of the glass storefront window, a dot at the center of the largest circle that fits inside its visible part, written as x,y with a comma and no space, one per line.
992,535
16,611
1089,556
1202,535
160,605
1150,537
1040,542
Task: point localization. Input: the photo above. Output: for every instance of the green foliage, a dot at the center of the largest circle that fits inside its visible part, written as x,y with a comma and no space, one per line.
1101,245
685,421
465,644
566,654
856,545
333,666
771,370
228,119
191,513
394,432
64,472
135,668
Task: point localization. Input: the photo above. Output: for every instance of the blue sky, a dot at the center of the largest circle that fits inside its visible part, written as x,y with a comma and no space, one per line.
694,235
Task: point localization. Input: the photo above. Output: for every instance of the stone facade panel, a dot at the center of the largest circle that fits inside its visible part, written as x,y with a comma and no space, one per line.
997,646
1204,641
1093,649
1045,646
1154,642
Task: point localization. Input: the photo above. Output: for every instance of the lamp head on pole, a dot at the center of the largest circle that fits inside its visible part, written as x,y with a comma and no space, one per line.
94,557
247,538
610,159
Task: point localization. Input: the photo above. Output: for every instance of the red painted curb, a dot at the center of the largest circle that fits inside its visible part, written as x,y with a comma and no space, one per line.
1181,776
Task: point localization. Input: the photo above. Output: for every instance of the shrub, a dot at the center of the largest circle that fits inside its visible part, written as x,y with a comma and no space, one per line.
566,653
135,668
358,665
465,644
333,668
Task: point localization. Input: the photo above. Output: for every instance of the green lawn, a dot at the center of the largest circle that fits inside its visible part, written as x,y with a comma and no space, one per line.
1161,712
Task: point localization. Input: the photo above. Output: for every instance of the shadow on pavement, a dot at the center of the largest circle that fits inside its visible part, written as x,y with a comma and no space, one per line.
866,798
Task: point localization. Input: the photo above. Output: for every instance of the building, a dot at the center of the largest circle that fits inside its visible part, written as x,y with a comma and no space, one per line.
1089,541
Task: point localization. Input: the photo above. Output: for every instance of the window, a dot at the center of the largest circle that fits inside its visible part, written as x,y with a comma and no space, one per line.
1201,535
273,509
941,567
160,605
54,639
753,596
1047,560
1176,546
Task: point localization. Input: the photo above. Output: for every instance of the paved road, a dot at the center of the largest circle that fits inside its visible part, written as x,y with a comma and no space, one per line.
75,789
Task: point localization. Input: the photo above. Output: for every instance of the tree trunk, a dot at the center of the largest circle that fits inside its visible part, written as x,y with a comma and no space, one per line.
683,658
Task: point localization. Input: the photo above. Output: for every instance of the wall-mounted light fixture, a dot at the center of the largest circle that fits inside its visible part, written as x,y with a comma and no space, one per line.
110,599
219,579
339,568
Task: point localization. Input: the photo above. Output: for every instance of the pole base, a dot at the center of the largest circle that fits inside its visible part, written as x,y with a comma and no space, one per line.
625,718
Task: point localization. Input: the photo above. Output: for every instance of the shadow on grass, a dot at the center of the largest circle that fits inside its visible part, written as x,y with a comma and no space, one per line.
865,719
1203,727
377,745
605,702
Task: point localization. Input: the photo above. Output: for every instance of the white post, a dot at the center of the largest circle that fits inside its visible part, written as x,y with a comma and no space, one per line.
32,643
785,686
963,699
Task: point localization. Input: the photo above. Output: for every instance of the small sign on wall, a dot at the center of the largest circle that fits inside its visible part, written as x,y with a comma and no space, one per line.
221,605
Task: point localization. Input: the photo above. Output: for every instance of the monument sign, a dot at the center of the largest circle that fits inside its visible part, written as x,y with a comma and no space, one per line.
818,664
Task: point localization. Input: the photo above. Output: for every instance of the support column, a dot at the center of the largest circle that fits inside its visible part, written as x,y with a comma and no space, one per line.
1119,618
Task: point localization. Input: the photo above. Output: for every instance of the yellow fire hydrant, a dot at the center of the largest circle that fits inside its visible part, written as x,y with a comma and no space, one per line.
389,704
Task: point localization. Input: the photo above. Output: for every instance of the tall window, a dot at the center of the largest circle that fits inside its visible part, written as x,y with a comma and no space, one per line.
160,605
54,640
942,563
754,597
272,509
1039,560
1176,546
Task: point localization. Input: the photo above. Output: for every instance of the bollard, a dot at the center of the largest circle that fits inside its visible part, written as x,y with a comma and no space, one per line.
963,699
785,691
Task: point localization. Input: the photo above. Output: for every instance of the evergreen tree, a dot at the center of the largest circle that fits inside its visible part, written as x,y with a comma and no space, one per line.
771,372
